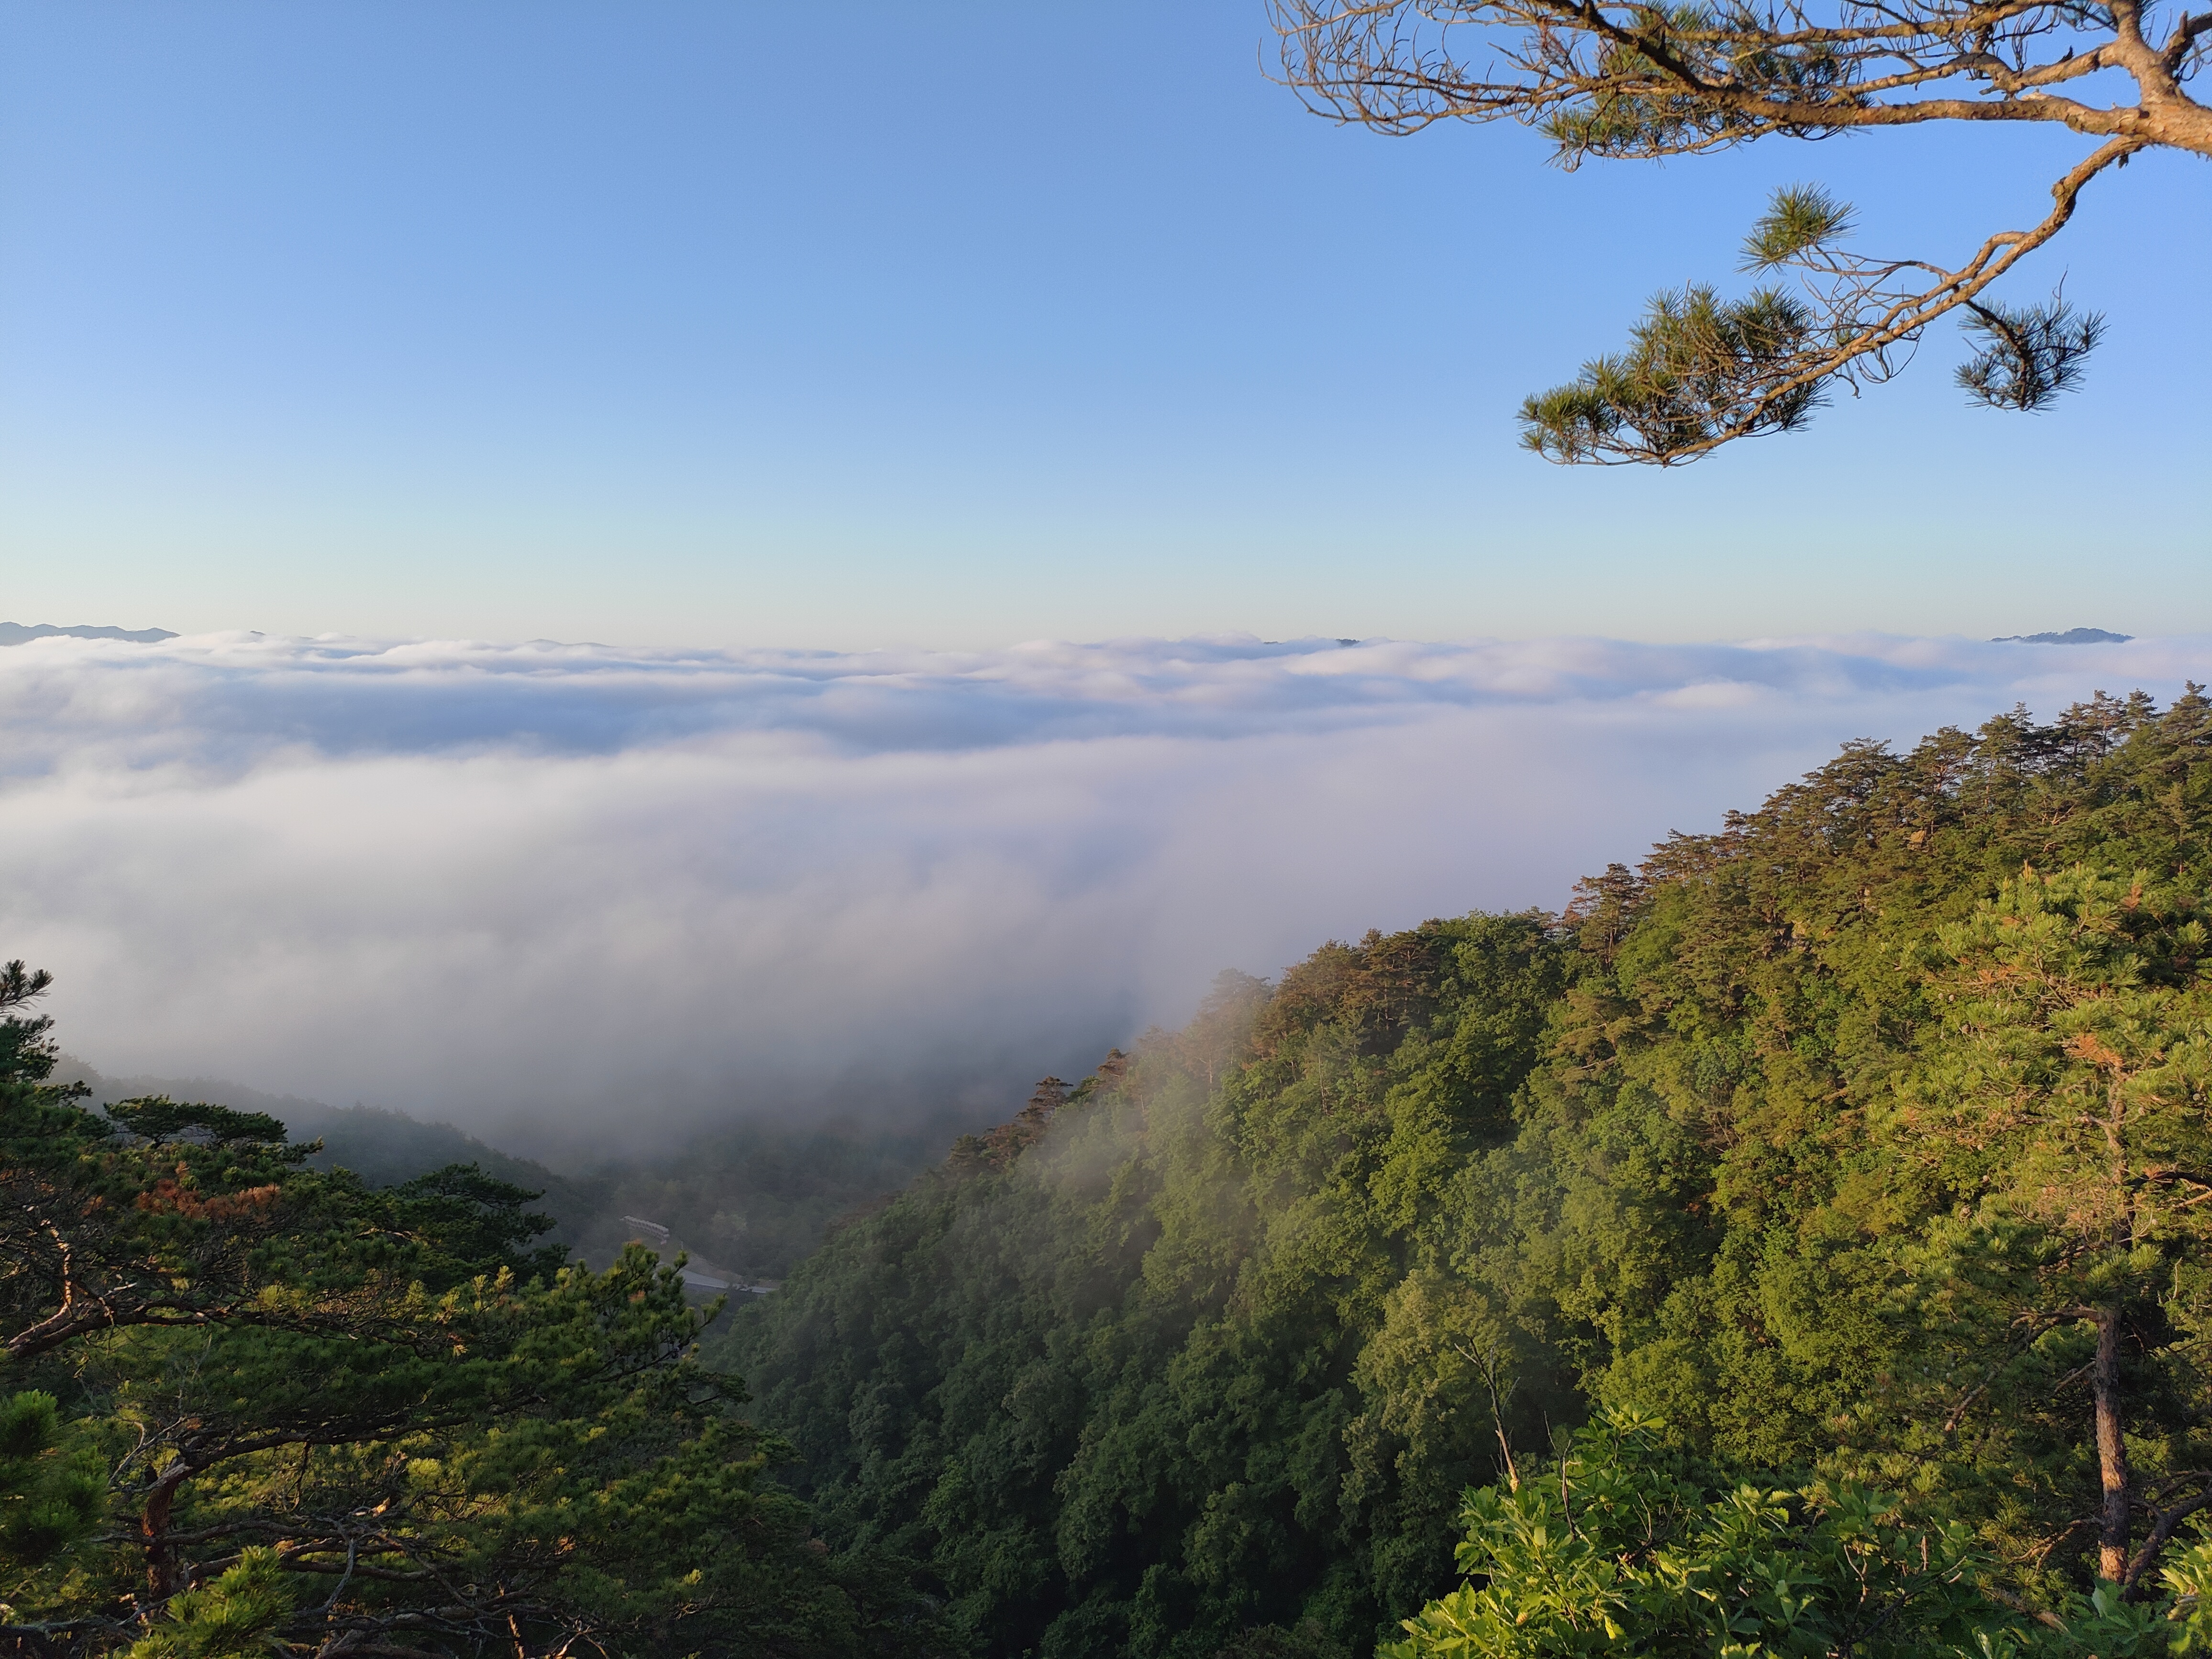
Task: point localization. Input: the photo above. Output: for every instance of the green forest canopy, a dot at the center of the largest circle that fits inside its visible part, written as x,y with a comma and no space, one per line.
1857,1149
250,1407
1793,1248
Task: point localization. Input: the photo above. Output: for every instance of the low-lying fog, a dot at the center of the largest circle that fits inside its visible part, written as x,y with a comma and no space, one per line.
549,890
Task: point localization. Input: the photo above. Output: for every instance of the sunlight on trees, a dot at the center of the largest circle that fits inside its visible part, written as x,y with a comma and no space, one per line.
1638,81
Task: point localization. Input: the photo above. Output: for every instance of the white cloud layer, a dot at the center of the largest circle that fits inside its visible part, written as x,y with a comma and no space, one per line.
604,892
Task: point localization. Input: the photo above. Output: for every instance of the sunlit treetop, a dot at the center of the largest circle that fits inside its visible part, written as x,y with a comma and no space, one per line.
1639,81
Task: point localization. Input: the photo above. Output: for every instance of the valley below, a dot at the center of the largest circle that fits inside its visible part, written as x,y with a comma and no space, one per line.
1816,1203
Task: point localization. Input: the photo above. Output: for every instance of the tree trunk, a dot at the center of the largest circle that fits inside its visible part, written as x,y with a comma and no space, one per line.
154,1535
2111,1450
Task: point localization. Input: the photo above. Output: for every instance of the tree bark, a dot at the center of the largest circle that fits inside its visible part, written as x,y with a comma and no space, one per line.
154,1534
2111,1450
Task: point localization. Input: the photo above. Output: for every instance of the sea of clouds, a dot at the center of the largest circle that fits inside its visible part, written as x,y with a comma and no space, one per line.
550,890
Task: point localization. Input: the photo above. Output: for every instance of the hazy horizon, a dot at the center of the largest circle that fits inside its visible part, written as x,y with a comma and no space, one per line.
520,319
539,889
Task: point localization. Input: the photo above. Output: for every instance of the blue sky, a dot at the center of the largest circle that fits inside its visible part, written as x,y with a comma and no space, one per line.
725,324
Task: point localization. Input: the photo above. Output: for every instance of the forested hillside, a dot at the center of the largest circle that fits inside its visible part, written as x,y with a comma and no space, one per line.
757,1196
384,1148
248,1407
1860,1148
758,1193
1798,1246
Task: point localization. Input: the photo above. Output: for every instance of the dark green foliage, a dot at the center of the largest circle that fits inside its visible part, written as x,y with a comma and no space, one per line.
2026,355
750,1198
1800,220
1156,1383
256,1409
1796,1246
1697,370
239,1615
474,1223
382,1148
1847,1140
386,1149
1700,370
50,1496
158,1118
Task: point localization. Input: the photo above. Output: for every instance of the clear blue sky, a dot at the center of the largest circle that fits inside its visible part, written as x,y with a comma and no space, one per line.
955,325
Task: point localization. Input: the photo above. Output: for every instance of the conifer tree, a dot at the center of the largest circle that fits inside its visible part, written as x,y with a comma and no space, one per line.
1632,79
251,1408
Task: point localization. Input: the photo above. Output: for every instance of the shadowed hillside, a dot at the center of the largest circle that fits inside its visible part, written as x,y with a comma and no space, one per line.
754,1197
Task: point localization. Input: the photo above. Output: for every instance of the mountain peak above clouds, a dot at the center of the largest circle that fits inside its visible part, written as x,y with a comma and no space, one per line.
24,633
2071,636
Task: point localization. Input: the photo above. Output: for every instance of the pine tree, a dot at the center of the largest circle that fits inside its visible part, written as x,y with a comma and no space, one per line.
1635,80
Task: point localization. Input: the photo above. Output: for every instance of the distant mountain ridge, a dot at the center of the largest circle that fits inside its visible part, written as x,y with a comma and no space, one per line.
384,1148
2071,636
24,633
758,1194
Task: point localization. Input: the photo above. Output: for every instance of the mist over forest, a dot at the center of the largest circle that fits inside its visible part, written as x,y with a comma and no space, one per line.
746,1200
1430,965
1794,1244
537,890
